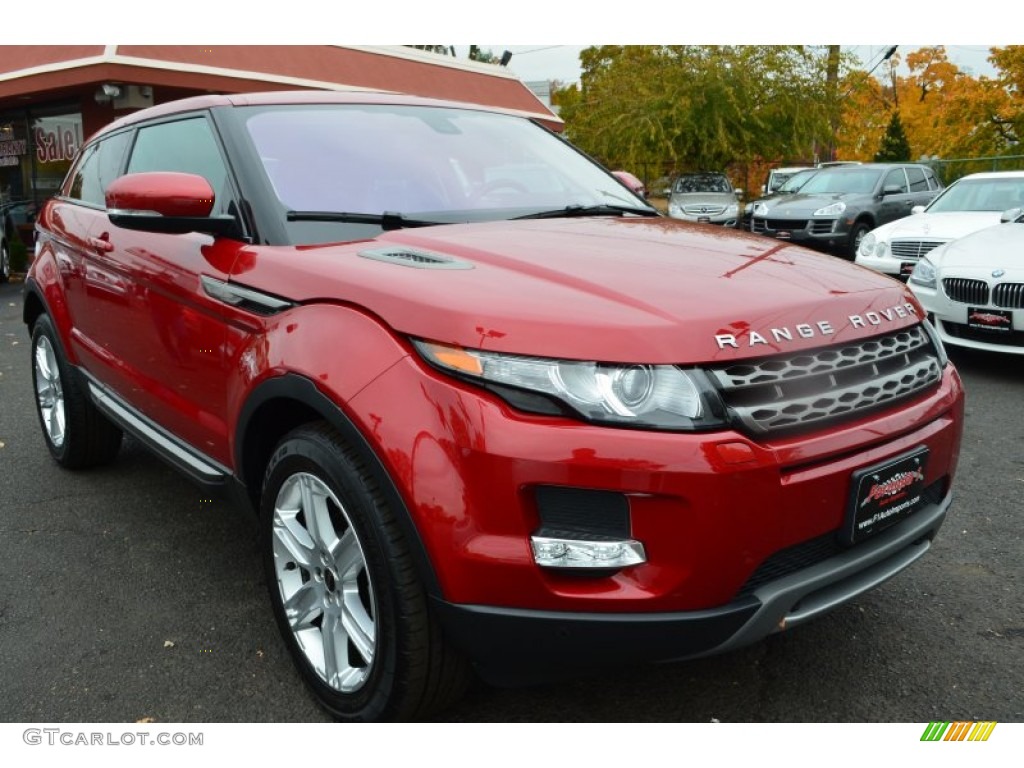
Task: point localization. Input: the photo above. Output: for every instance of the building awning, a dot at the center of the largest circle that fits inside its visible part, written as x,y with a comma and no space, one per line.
48,71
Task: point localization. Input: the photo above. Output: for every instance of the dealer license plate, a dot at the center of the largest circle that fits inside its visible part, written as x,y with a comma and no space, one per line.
884,494
984,319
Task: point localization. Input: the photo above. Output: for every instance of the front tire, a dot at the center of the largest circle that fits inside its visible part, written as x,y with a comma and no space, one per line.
5,262
76,433
344,588
860,229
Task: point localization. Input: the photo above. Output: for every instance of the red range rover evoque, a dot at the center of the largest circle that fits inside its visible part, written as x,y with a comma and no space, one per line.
494,413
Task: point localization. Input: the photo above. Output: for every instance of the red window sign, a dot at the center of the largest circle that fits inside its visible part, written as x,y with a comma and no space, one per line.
56,145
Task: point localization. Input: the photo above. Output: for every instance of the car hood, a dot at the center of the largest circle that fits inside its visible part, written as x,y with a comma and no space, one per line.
703,198
937,226
996,247
616,290
802,204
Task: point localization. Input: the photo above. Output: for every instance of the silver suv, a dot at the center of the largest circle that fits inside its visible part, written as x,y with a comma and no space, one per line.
707,198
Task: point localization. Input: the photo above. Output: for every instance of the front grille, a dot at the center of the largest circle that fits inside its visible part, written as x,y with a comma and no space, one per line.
1009,295
1002,338
822,226
809,553
703,210
913,249
966,291
806,389
787,225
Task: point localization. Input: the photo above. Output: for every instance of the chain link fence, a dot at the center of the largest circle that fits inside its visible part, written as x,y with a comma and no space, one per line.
951,170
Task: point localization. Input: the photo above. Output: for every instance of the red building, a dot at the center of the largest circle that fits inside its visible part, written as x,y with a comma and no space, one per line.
53,97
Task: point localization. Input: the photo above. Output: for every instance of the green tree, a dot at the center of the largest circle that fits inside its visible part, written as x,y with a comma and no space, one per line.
894,147
700,107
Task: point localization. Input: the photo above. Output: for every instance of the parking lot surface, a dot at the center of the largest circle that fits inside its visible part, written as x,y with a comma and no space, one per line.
126,594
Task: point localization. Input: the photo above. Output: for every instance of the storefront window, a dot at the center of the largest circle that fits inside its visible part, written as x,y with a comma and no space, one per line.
36,150
15,163
55,139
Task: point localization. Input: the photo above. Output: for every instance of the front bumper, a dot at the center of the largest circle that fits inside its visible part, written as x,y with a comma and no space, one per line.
817,229
513,646
887,265
950,319
709,508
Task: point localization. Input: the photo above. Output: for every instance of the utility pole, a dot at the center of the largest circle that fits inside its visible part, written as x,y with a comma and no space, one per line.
832,94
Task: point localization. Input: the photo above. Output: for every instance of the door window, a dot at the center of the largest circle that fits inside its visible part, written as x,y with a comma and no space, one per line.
184,146
99,165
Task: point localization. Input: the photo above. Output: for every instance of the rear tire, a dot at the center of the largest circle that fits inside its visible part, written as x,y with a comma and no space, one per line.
77,434
344,588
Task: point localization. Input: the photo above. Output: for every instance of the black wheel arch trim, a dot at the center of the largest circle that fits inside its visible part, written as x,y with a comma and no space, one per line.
292,386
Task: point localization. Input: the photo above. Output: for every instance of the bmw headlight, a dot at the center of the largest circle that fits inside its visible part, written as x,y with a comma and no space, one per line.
831,210
652,396
923,274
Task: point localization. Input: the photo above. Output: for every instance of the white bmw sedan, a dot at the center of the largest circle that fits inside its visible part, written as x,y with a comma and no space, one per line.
969,204
973,289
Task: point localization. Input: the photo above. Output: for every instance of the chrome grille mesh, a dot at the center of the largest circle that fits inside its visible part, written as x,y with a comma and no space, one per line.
703,210
1009,295
913,249
811,388
966,291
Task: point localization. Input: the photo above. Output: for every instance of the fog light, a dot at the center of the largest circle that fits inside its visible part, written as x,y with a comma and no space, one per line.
583,553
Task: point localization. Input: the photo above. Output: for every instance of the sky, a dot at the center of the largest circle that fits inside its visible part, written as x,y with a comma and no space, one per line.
549,34
561,62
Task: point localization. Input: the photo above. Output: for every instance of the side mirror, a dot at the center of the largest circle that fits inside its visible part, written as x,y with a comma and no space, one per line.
165,202
1011,214
892,189
917,209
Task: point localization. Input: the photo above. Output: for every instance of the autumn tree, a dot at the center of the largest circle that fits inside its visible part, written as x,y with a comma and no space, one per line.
1008,116
944,111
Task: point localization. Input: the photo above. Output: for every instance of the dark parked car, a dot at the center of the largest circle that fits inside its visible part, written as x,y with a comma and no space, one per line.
788,186
13,214
841,204
493,411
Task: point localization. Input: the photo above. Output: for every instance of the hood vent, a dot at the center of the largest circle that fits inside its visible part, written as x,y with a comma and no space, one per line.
413,257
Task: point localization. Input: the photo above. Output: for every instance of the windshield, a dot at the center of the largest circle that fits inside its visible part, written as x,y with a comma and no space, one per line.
834,181
702,182
796,180
429,163
980,195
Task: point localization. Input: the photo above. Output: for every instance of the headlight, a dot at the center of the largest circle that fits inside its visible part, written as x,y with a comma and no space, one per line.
674,210
730,210
939,347
653,396
831,210
924,274
760,209
872,246
867,246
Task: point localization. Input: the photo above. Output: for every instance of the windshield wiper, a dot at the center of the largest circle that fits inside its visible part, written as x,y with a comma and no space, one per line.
603,209
387,221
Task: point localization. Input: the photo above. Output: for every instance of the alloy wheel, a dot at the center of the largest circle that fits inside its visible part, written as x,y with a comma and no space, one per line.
49,392
324,582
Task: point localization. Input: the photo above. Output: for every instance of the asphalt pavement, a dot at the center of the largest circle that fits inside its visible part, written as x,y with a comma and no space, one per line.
125,594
